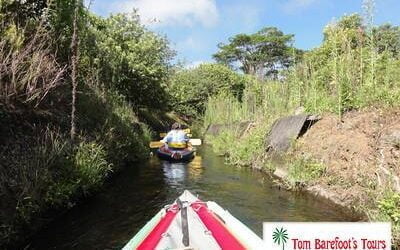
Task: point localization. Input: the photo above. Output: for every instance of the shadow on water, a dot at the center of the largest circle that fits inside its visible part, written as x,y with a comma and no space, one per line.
110,219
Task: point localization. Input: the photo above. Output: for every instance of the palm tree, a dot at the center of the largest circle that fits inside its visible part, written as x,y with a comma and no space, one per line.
280,235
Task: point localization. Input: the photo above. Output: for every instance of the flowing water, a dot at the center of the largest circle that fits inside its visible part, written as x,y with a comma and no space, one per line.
111,218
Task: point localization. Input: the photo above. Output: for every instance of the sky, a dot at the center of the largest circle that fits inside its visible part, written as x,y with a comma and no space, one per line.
195,27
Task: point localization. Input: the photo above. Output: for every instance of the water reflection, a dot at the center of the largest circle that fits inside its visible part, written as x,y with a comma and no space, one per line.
195,168
176,173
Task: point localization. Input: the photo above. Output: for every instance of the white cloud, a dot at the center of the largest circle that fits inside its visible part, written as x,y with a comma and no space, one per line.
295,5
246,16
190,43
174,12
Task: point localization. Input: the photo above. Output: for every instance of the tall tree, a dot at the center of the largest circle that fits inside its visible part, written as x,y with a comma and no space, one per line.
262,53
129,58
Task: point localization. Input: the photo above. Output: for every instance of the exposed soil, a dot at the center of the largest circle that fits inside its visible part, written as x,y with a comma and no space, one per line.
361,153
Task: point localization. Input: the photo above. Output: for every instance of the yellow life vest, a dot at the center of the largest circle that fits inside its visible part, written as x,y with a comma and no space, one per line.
177,144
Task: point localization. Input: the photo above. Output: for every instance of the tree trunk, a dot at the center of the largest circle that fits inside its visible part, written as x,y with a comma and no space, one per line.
74,72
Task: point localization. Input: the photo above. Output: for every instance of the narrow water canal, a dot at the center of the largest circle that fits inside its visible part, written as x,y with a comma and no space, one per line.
110,219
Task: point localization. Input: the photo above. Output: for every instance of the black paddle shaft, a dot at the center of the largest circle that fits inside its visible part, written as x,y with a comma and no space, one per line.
185,227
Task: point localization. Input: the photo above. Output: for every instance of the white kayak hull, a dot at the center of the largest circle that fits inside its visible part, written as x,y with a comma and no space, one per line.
209,227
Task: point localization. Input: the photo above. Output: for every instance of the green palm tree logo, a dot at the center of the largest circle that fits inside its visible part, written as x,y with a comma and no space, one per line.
280,236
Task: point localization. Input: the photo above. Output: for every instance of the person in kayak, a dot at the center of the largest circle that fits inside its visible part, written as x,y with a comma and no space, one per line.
176,138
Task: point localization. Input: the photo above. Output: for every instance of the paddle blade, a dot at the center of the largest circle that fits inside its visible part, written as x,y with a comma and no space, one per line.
195,142
156,144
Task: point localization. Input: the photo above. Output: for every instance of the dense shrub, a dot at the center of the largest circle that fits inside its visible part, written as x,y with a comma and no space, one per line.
119,53
191,88
390,206
91,165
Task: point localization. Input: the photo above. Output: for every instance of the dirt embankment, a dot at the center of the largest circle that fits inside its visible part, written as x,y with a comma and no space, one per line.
353,161
361,154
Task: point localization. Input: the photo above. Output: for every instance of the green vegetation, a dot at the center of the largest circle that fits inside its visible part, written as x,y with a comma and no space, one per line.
301,171
261,54
119,72
390,206
259,101
224,108
91,164
191,88
239,150
119,53
389,210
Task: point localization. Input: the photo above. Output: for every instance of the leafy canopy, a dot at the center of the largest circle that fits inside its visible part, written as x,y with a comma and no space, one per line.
262,53
191,88
128,58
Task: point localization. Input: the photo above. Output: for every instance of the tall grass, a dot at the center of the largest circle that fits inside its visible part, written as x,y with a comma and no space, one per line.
243,151
29,70
91,165
345,73
226,109
259,101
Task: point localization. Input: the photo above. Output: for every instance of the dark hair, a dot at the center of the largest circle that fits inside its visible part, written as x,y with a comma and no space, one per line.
176,126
